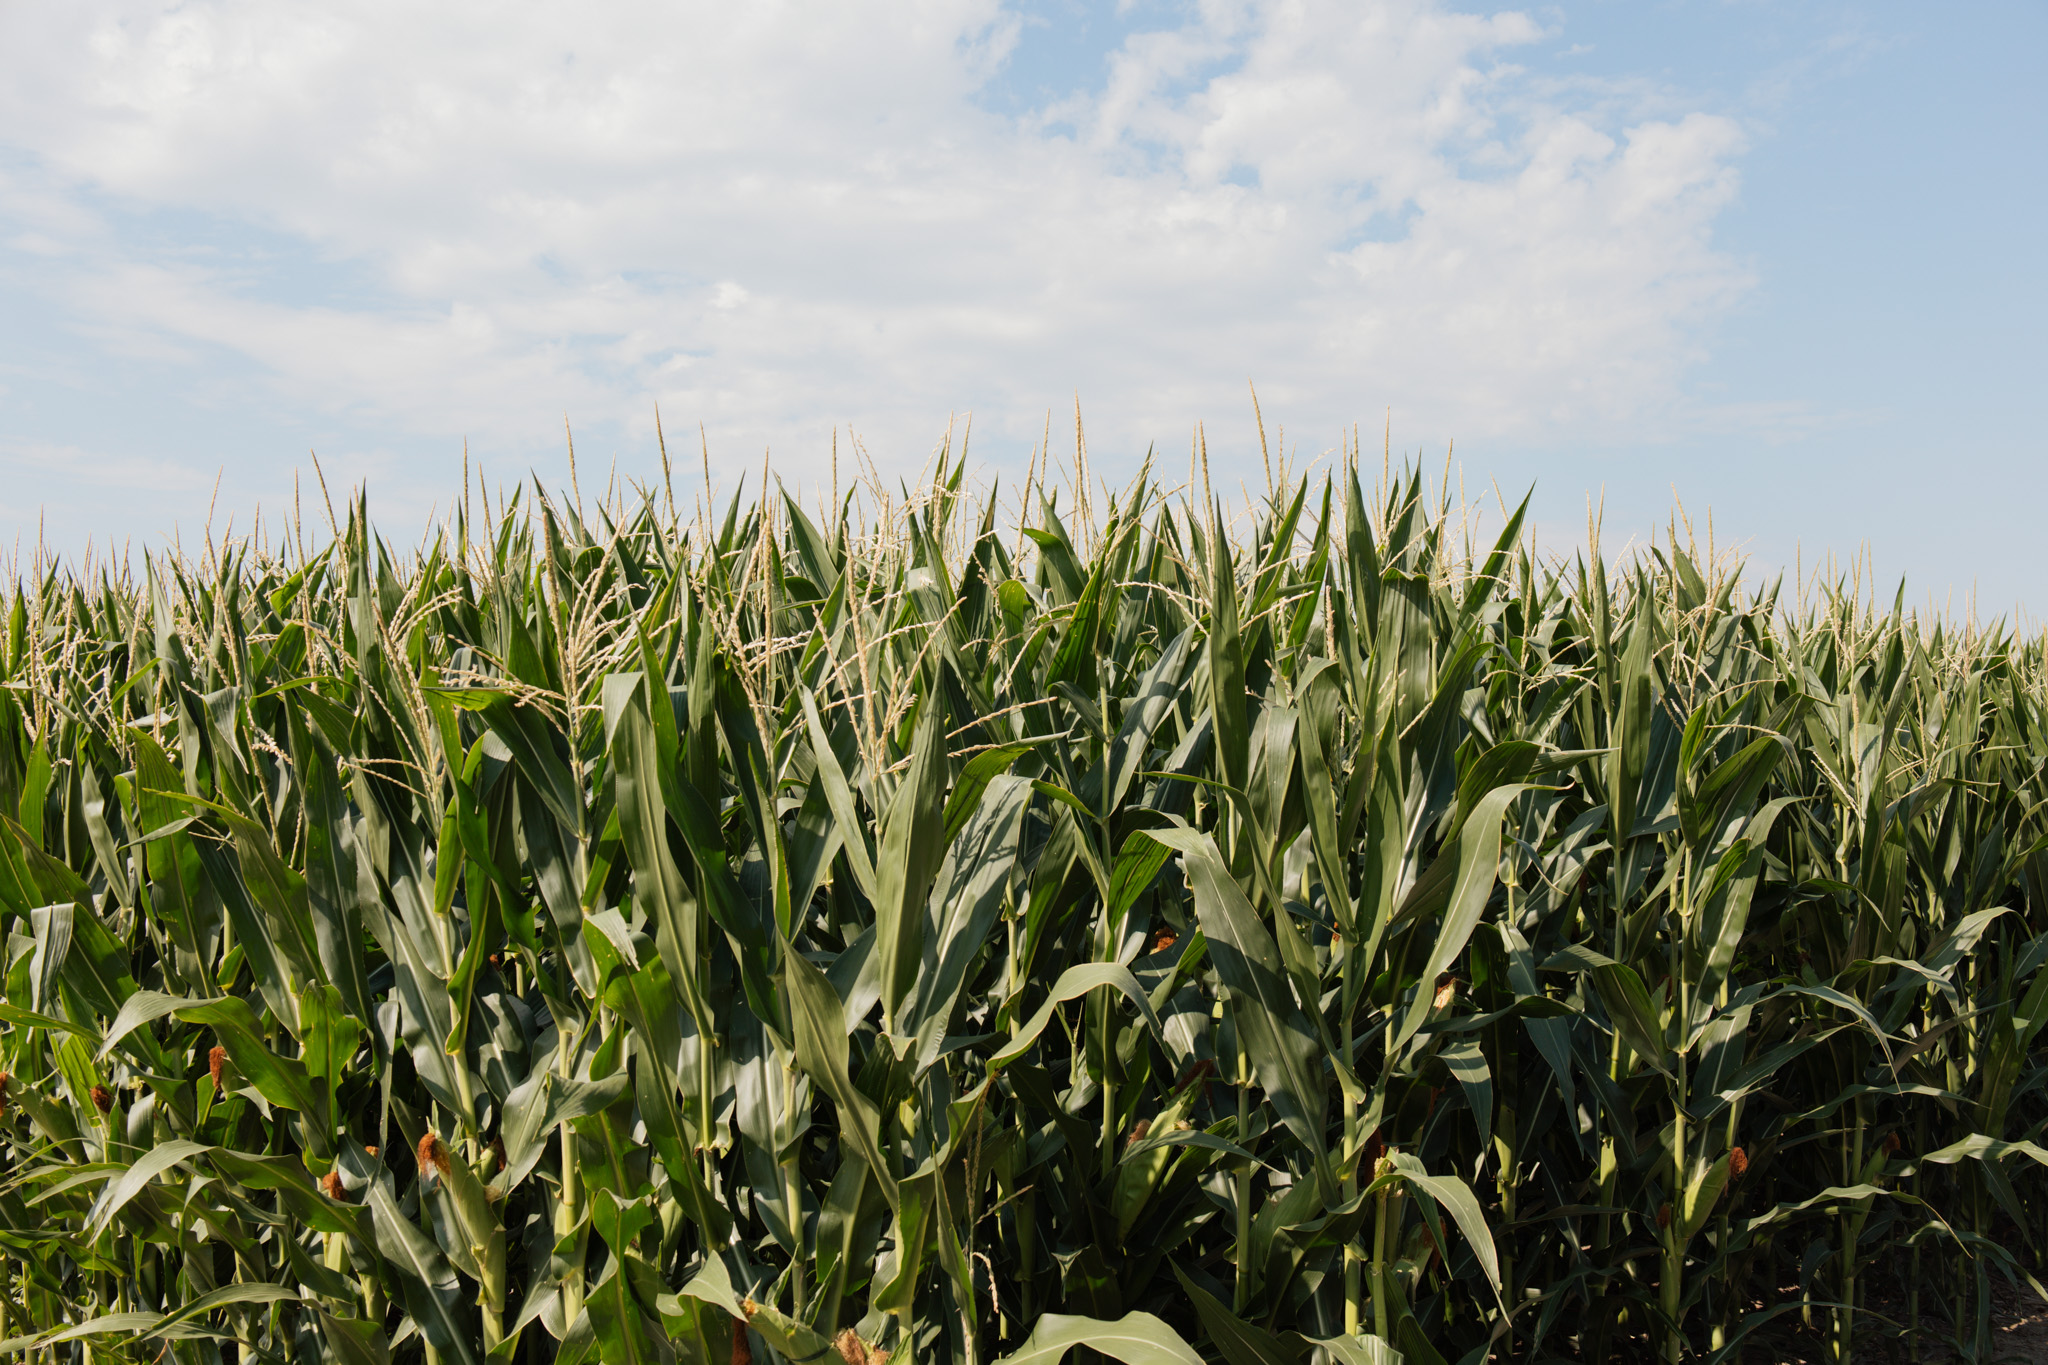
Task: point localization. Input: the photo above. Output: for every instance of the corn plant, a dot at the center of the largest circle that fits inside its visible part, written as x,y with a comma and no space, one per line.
891,927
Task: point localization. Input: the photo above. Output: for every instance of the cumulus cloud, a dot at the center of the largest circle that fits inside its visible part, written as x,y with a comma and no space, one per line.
470,218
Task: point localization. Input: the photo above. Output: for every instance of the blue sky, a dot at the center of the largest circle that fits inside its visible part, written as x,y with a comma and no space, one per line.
1783,259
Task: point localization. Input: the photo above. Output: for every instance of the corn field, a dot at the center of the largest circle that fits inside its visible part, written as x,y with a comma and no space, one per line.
891,930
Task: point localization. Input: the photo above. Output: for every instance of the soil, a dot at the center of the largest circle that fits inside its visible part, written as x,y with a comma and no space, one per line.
2019,1325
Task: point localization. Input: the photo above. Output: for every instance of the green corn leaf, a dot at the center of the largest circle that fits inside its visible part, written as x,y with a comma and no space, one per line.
625,1335
908,859
1363,1349
1478,865
1727,916
1193,1137
1073,983
973,883
714,1285
327,1040
105,1324
1241,1342
227,1294
297,1195
659,891
819,1024
1226,667
1282,1050
1702,1193
354,1341
839,795
1458,1200
131,1181
1135,1339
1980,1147
974,780
331,880
283,1081
1633,1012
1143,712
433,1295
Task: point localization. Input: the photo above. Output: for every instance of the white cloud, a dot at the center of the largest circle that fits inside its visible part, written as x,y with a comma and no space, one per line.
96,475
150,475
774,217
